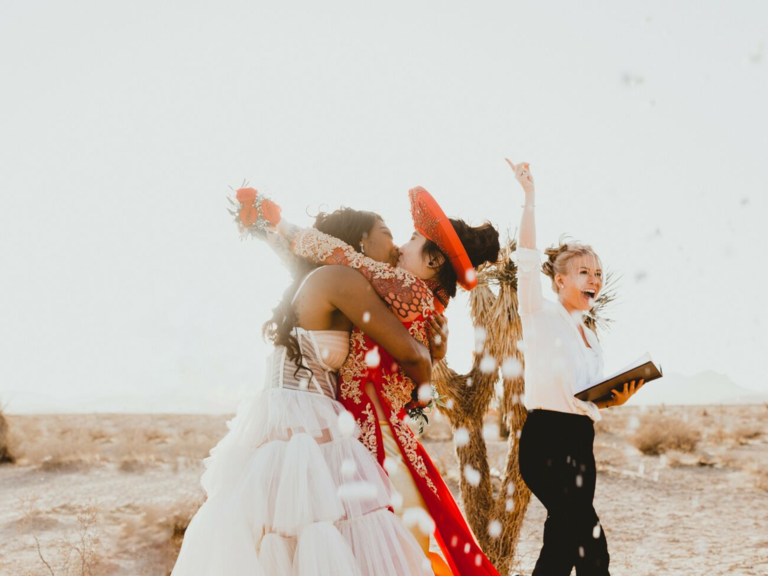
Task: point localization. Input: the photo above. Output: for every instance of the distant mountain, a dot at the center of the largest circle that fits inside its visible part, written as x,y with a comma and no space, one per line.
704,388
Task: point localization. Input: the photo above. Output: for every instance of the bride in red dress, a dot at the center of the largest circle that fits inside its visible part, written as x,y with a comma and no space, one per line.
442,253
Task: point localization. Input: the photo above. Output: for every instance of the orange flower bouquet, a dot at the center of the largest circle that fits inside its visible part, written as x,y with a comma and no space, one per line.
254,213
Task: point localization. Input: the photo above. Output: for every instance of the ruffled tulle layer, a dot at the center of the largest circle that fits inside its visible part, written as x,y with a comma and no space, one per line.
291,492
276,414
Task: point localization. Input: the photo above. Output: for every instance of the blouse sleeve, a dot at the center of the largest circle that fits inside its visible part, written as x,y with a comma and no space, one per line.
529,294
405,294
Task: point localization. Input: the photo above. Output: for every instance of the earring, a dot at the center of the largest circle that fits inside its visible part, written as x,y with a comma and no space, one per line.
362,248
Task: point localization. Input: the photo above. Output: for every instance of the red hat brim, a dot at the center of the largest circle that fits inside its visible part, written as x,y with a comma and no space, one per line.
430,221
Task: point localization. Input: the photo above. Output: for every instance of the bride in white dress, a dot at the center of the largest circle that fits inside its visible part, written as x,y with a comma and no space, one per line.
291,490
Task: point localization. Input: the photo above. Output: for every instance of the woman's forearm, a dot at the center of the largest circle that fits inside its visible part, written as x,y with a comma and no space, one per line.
528,222
287,230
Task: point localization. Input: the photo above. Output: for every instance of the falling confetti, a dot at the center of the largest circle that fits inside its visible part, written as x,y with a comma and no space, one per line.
511,368
418,517
596,531
348,469
425,393
390,465
632,80
491,432
372,358
461,437
579,481
471,475
480,336
347,424
366,317
303,383
487,364
494,529
581,551
510,504
357,492
397,502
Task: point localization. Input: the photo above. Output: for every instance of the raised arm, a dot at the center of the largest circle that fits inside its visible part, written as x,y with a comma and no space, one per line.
354,296
406,295
527,256
523,175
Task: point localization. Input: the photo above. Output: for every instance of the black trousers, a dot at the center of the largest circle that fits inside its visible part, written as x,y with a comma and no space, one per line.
557,463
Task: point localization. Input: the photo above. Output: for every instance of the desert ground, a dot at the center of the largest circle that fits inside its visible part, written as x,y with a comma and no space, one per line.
681,490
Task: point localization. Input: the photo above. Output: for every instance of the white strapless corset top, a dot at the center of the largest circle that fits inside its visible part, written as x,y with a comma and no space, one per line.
333,346
323,353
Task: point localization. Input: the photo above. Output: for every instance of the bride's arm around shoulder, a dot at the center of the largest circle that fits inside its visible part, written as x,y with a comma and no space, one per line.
349,292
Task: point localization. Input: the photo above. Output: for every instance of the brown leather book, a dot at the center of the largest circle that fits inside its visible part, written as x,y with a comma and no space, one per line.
642,369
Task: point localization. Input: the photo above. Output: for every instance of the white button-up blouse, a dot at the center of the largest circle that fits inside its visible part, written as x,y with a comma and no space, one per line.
557,362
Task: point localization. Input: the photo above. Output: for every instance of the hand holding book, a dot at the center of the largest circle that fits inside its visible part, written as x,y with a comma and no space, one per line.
617,389
618,398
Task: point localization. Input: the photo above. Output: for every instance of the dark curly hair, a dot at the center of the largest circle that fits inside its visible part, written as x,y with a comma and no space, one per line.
480,242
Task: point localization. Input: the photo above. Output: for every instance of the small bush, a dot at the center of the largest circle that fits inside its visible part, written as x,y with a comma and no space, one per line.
657,435
6,452
157,535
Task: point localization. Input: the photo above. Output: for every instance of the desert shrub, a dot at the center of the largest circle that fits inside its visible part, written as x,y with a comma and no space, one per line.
156,536
745,433
659,434
6,452
76,554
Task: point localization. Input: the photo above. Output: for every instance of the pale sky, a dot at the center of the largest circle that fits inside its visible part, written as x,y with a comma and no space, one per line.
123,124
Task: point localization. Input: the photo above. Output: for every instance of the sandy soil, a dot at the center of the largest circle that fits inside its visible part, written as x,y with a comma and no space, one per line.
689,511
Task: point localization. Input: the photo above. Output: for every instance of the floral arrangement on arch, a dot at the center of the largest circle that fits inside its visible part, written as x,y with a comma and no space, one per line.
254,213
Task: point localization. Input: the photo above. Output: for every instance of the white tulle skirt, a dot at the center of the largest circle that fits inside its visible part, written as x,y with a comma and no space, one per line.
292,493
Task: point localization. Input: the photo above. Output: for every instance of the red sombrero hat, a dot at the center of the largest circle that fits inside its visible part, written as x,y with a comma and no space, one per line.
430,221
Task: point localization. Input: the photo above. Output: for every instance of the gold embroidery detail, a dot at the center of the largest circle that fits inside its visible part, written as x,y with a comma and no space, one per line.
368,427
410,446
352,374
397,390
